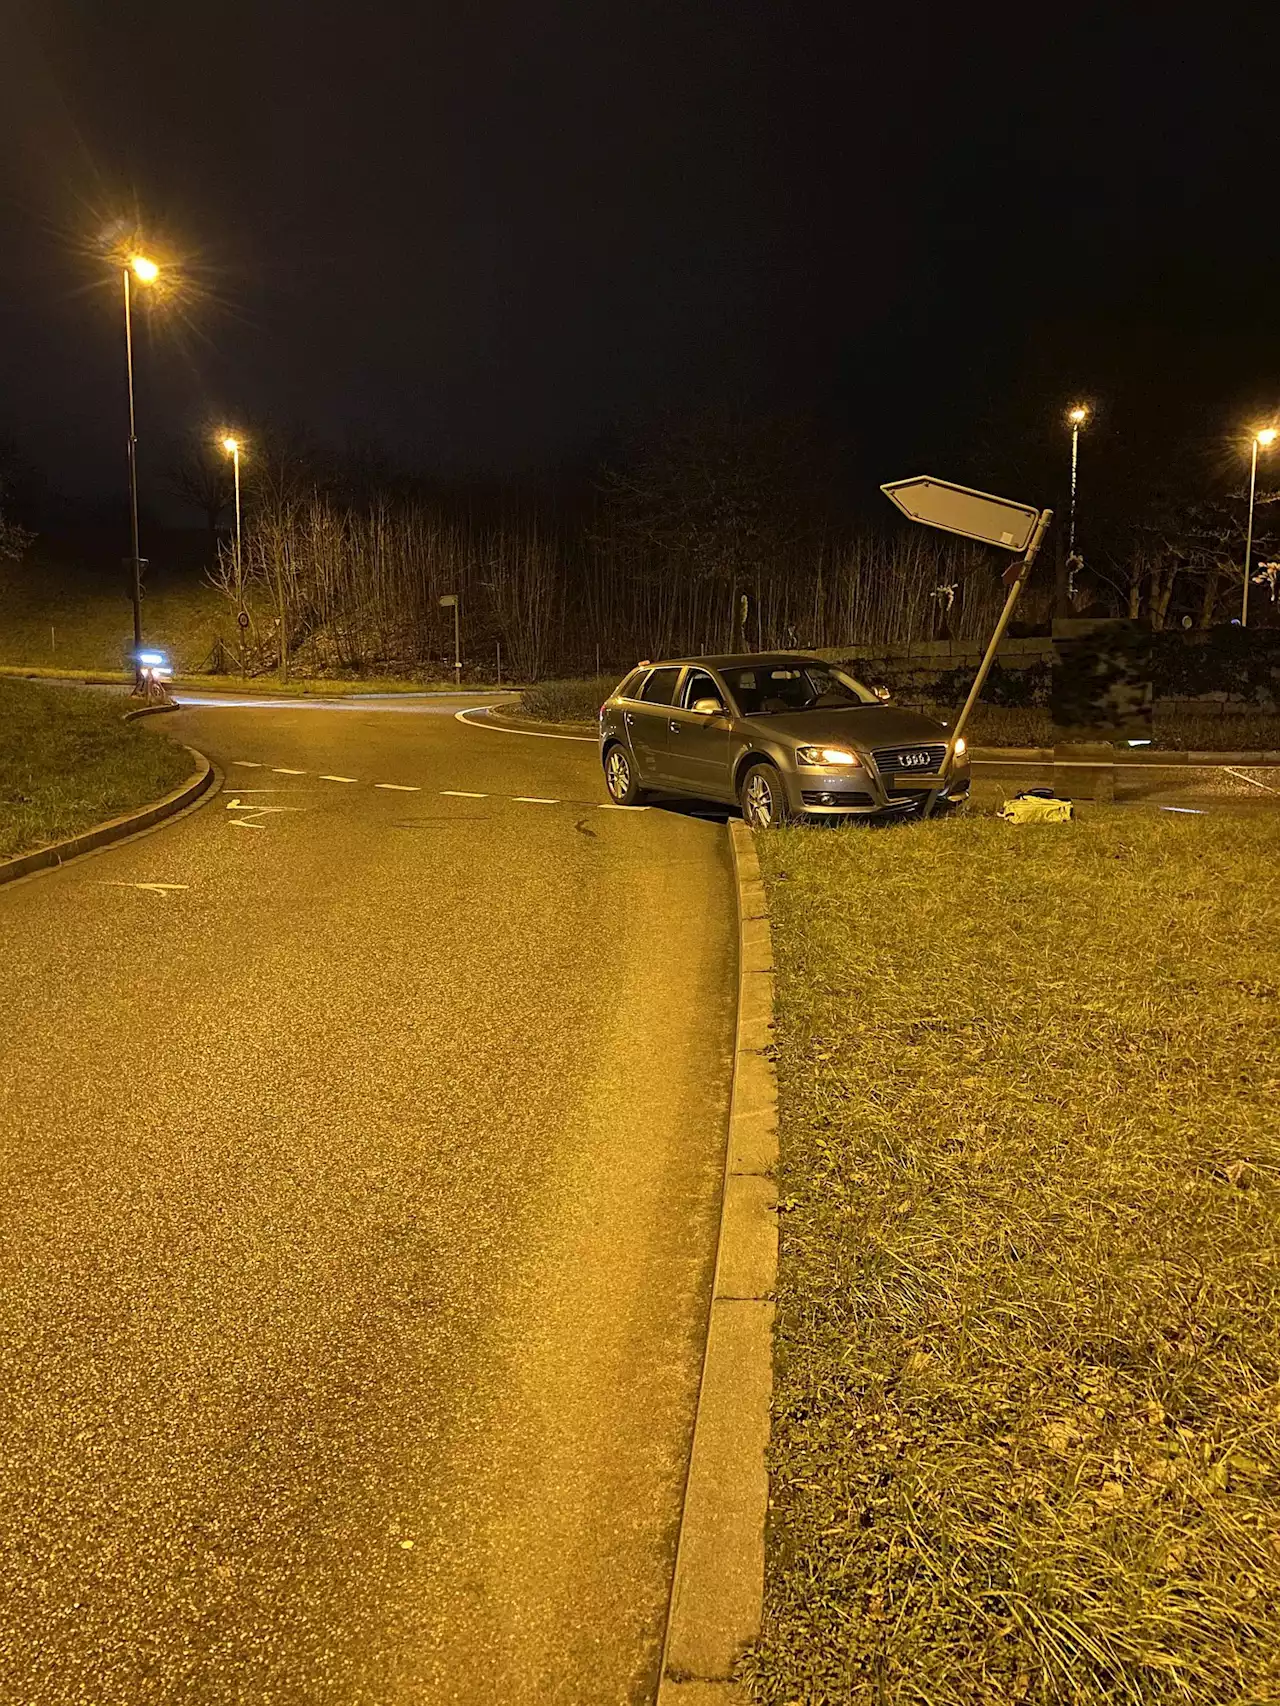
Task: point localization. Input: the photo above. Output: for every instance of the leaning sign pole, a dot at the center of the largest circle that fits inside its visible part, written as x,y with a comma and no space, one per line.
993,521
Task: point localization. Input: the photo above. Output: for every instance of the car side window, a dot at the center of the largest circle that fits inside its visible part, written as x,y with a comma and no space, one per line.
700,686
660,689
630,688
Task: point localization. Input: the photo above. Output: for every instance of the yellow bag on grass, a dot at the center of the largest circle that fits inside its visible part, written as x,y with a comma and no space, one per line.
1036,808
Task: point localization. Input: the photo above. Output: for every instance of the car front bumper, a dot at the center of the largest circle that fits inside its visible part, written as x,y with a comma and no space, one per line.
865,793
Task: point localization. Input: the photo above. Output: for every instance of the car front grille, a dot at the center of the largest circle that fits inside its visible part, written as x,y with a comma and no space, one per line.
923,760
834,797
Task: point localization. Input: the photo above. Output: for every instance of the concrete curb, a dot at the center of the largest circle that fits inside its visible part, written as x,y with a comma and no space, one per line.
150,711
530,725
1149,758
116,828
718,1595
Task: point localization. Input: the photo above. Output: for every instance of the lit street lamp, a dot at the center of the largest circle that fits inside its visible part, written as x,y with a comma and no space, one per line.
1265,438
1076,416
146,272
232,448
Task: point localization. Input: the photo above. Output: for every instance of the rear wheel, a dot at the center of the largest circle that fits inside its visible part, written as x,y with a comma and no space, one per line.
620,777
763,798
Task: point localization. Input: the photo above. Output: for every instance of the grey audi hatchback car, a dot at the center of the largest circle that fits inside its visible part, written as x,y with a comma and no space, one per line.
782,735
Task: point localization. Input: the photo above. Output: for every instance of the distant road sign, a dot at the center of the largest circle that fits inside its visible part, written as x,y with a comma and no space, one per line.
242,618
959,509
449,599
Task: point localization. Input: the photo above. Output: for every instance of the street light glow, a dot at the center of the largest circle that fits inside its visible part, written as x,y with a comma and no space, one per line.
231,445
1078,415
144,269
1267,436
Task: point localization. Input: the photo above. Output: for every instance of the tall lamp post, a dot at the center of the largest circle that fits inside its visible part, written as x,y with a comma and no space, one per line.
1076,418
1263,440
232,448
146,272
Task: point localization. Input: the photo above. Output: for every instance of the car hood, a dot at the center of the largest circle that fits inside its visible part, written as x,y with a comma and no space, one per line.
866,726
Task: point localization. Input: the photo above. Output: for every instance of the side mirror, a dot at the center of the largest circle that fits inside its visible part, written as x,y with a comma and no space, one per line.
706,707
882,692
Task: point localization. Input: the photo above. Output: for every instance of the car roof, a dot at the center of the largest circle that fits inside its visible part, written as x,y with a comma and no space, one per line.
732,660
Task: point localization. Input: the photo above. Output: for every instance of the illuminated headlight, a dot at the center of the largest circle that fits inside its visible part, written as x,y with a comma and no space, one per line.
960,747
823,755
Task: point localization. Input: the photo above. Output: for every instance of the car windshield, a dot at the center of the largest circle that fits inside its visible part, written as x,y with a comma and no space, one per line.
765,690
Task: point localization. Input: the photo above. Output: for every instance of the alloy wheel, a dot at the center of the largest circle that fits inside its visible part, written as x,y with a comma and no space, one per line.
617,773
760,801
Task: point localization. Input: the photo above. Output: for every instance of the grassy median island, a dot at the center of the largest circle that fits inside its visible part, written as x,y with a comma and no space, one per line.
1026,1441
68,760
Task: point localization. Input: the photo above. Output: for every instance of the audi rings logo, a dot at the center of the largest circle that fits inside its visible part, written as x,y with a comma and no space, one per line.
914,760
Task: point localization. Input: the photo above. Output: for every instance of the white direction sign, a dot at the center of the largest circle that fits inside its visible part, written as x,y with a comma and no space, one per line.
959,509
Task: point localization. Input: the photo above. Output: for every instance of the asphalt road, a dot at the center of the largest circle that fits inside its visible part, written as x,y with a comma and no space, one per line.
356,1226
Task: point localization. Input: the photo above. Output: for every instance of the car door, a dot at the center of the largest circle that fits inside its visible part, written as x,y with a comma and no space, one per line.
697,756
646,720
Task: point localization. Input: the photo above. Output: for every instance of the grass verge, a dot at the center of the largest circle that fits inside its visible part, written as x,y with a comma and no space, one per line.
990,725
1173,730
265,686
567,701
68,760
1026,1440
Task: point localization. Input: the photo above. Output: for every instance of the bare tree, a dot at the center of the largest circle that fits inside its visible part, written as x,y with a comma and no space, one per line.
199,473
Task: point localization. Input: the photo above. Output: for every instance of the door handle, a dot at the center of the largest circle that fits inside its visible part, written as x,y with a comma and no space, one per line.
674,726
629,719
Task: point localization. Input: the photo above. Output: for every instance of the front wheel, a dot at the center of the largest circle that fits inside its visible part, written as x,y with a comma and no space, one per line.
620,777
763,798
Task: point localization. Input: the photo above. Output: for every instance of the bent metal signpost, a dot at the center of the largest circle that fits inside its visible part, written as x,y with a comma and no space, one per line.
1001,522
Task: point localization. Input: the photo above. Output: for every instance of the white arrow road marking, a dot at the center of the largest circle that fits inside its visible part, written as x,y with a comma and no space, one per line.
152,888
337,778
462,794
399,787
243,823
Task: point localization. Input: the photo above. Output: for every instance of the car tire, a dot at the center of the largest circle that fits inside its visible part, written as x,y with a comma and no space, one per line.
620,776
763,797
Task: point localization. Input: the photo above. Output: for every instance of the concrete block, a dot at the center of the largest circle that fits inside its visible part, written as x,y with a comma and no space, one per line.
753,1142
752,901
755,1034
719,1587
748,1238
702,1694
756,998
757,944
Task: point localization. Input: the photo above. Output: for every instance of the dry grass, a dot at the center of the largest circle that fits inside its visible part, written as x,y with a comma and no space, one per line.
567,701
1026,1434
1173,730
68,760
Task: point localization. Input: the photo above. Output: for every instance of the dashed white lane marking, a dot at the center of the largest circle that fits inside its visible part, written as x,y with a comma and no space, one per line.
1240,777
399,787
613,808
463,794
532,800
468,717
245,764
283,770
153,888
338,778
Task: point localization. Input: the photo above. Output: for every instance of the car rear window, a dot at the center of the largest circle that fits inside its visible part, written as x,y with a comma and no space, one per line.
660,689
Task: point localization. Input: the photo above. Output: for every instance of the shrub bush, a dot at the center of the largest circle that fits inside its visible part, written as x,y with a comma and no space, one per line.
567,701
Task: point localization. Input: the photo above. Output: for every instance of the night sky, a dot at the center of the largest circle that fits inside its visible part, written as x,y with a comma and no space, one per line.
495,236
